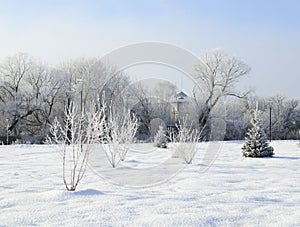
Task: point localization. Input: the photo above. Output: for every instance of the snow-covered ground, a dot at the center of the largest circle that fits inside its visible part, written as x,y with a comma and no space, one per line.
234,191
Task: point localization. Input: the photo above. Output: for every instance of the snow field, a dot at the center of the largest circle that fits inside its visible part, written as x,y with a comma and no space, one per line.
234,191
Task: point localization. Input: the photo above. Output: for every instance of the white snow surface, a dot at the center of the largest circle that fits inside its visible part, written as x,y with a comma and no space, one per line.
234,191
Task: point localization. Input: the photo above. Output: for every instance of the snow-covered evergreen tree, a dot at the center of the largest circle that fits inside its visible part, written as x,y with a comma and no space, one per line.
160,139
256,144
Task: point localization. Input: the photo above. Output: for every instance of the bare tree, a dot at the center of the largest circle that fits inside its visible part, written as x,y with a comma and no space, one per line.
87,79
142,108
28,93
284,114
13,91
44,88
125,132
164,90
75,139
183,141
216,73
237,119
120,134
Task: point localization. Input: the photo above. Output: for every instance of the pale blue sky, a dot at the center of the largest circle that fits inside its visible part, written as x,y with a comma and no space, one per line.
265,33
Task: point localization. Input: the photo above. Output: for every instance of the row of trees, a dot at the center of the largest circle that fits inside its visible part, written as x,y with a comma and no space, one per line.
32,95
280,117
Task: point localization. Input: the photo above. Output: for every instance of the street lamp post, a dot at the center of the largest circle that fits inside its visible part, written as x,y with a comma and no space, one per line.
7,127
270,123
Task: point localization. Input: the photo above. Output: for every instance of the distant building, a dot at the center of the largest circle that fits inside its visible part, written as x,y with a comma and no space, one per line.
181,107
165,112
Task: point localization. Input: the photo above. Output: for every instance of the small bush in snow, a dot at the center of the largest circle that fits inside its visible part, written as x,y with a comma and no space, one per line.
256,144
160,139
184,141
120,134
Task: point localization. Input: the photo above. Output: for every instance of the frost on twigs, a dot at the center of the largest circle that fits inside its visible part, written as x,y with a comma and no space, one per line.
256,143
183,141
120,134
75,138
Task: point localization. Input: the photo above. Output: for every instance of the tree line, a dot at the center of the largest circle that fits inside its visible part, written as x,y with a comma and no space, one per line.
34,94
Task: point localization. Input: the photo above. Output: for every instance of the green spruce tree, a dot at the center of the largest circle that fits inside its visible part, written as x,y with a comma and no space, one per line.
256,143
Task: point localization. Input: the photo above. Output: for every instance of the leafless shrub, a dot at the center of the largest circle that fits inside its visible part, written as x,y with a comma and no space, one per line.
183,141
74,139
121,131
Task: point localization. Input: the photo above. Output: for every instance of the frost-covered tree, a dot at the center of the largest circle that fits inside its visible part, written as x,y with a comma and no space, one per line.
14,97
75,139
256,144
160,139
126,131
284,115
90,78
119,133
216,73
28,95
184,141
121,130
